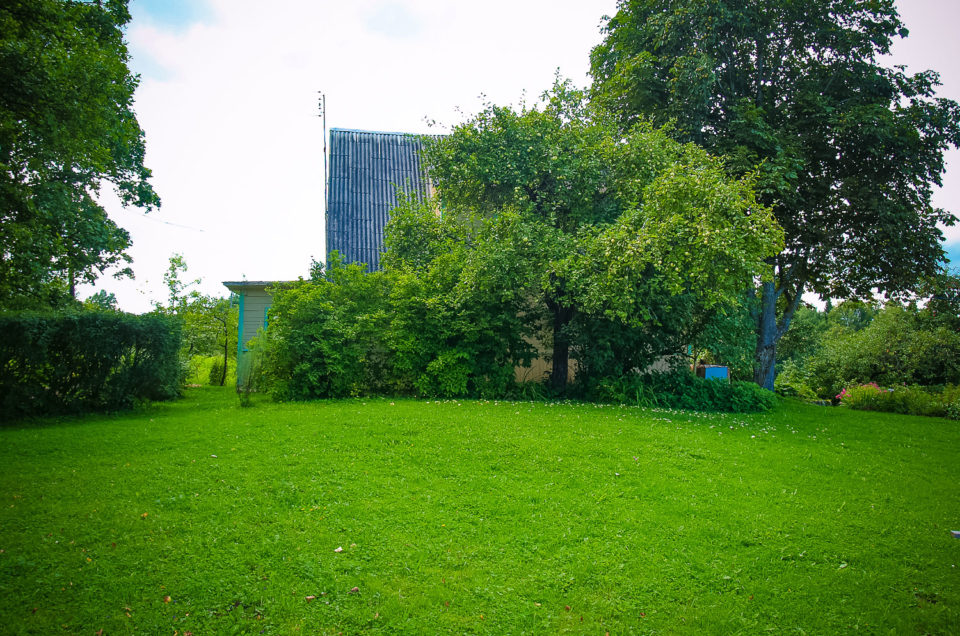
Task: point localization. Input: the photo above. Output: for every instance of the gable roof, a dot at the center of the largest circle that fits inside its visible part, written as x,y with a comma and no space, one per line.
366,168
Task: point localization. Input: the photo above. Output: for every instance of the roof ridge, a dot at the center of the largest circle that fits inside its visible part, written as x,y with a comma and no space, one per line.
384,132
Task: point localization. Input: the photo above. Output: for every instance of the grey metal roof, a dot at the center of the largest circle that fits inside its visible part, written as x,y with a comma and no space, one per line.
366,169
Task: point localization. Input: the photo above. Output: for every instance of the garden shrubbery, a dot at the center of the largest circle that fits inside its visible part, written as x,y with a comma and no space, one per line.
442,332
852,349
347,332
680,389
906,400
66,363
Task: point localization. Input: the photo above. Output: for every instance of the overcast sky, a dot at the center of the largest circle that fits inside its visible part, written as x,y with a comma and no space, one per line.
228,101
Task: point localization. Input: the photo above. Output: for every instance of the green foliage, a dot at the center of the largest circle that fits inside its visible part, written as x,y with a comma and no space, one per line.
795,94
728,337
208,323
906,400
66,127
90,361
251,374
432,330
900,346
791,381
551,227
101,301
681,389
622,243
326,336
215,377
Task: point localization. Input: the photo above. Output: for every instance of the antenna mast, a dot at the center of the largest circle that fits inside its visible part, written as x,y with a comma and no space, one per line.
322,105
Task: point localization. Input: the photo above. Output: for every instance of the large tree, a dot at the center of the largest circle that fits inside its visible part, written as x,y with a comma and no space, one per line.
845,150
67,126
621,234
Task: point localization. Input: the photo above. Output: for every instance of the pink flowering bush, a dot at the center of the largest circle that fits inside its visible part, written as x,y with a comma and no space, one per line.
909,400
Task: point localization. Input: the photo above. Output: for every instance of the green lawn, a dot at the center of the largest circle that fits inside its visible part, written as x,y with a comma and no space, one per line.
478,517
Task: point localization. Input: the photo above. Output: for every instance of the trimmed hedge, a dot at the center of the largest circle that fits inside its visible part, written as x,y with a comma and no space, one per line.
67,363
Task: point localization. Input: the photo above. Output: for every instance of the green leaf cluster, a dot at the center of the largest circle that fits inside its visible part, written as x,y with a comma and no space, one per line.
855,344
66,363
845,151
67,126
624,242
683,390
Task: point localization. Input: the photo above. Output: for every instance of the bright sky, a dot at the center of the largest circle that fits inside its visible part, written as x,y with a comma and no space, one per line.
228,101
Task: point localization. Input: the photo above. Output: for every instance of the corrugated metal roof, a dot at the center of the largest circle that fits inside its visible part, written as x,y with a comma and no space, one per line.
366,169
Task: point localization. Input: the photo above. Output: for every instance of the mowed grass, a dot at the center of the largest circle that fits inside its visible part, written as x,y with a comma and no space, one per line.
478,517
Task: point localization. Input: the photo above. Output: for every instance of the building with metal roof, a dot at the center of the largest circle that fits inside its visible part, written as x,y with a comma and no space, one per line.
367,169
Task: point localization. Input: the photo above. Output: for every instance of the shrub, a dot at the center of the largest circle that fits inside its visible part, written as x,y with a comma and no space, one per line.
791,381
906,400
215,377
250,371
901,346
683,390
89,361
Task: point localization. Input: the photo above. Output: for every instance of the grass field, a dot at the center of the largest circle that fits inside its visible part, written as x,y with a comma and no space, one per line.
379,516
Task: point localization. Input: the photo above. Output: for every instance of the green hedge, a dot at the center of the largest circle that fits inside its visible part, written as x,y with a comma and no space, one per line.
52,364
682,390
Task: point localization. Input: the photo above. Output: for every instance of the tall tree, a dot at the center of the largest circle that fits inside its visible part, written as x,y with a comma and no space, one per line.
67,126
845,150
619,227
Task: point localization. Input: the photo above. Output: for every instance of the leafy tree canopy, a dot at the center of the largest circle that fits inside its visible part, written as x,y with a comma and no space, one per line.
66,126
845,151
600,224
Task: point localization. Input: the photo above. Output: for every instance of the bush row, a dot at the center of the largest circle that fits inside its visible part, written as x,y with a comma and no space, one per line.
906,400
682,390
430,334
895,346
69,363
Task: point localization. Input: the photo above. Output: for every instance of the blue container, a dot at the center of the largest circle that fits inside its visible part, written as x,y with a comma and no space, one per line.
713,372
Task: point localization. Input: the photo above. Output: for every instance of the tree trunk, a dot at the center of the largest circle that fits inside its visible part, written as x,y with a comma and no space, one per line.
766,355
561,344
226,350
769,331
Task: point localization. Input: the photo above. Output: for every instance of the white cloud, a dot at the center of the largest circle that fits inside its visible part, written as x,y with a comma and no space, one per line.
229,106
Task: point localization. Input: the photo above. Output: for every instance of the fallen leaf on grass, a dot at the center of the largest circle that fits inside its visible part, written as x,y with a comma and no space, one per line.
166,599
144,515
